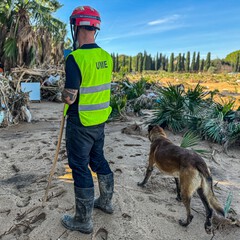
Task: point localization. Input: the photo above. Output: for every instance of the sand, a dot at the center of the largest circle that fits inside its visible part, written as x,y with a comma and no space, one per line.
26,155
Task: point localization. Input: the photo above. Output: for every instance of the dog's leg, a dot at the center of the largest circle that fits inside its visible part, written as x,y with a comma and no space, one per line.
209,211
178,190
147,176
187,190
186,201
148,172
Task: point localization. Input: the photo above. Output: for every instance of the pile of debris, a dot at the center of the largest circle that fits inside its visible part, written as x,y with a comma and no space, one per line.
51,80
14,105
131,98
14,102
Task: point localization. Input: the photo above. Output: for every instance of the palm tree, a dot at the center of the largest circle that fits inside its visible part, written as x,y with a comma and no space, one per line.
28,29
58,45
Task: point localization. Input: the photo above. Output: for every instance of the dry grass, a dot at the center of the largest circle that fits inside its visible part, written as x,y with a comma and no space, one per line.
228,85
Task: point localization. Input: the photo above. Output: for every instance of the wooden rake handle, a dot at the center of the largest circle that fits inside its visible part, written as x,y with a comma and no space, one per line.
55,160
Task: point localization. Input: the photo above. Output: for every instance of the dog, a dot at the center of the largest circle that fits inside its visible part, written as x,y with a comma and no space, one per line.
189,170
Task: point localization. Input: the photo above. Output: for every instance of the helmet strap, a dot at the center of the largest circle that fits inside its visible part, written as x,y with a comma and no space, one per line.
96,33
74,36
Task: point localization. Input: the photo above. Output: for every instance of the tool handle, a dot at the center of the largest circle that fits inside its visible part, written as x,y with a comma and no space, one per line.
55,160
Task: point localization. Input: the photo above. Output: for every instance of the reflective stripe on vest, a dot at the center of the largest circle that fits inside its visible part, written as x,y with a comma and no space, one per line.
94,89
93,106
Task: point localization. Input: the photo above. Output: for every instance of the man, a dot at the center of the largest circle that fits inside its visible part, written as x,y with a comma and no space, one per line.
87,97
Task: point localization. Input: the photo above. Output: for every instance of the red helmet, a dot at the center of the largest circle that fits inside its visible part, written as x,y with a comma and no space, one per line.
85,16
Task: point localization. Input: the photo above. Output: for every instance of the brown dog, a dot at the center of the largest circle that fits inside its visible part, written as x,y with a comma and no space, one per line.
189,168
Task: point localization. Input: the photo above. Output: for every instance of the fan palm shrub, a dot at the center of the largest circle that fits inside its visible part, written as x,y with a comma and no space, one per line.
194,99
194,110
214,128
196,102
232,134
221,124
171,108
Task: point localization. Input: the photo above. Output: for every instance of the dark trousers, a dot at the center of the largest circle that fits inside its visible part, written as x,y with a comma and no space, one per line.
85,148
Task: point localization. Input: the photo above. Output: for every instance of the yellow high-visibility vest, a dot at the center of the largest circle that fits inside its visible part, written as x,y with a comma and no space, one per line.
96,67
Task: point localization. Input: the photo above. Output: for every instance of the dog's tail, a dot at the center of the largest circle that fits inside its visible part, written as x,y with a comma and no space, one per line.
208,188
211,196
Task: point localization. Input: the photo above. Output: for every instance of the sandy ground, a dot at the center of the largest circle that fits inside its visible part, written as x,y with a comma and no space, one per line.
26,155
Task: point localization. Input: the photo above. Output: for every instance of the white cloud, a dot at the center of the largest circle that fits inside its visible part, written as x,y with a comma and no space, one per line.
142,32
145,28
164,20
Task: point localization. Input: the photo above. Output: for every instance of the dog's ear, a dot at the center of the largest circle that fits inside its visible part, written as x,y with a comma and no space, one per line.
150,127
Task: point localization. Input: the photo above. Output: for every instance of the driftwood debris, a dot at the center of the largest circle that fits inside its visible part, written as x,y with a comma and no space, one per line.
14,103
51,80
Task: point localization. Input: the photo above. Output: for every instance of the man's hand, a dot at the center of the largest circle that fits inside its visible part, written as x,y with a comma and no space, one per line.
69,95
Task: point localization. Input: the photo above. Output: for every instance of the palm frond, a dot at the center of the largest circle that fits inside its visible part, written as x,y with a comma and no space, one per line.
10,48
189,139
201,151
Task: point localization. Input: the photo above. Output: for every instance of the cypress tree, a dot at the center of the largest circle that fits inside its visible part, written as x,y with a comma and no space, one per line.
130,64
179,63
144,67
197,64
136,65
207,62
124,61
140,63
163,67
150,65
113,58
183,62
187,66
171,63
202,65
166,63
160,61
193,62
156,63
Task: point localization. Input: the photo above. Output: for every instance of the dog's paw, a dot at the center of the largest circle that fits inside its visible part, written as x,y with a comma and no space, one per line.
183,223
141,184
178,198
208,228
187,222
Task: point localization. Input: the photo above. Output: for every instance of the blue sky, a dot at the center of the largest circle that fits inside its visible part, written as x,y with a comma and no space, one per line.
164,26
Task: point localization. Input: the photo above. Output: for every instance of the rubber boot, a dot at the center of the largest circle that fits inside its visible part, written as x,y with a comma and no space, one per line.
82,220
106,185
